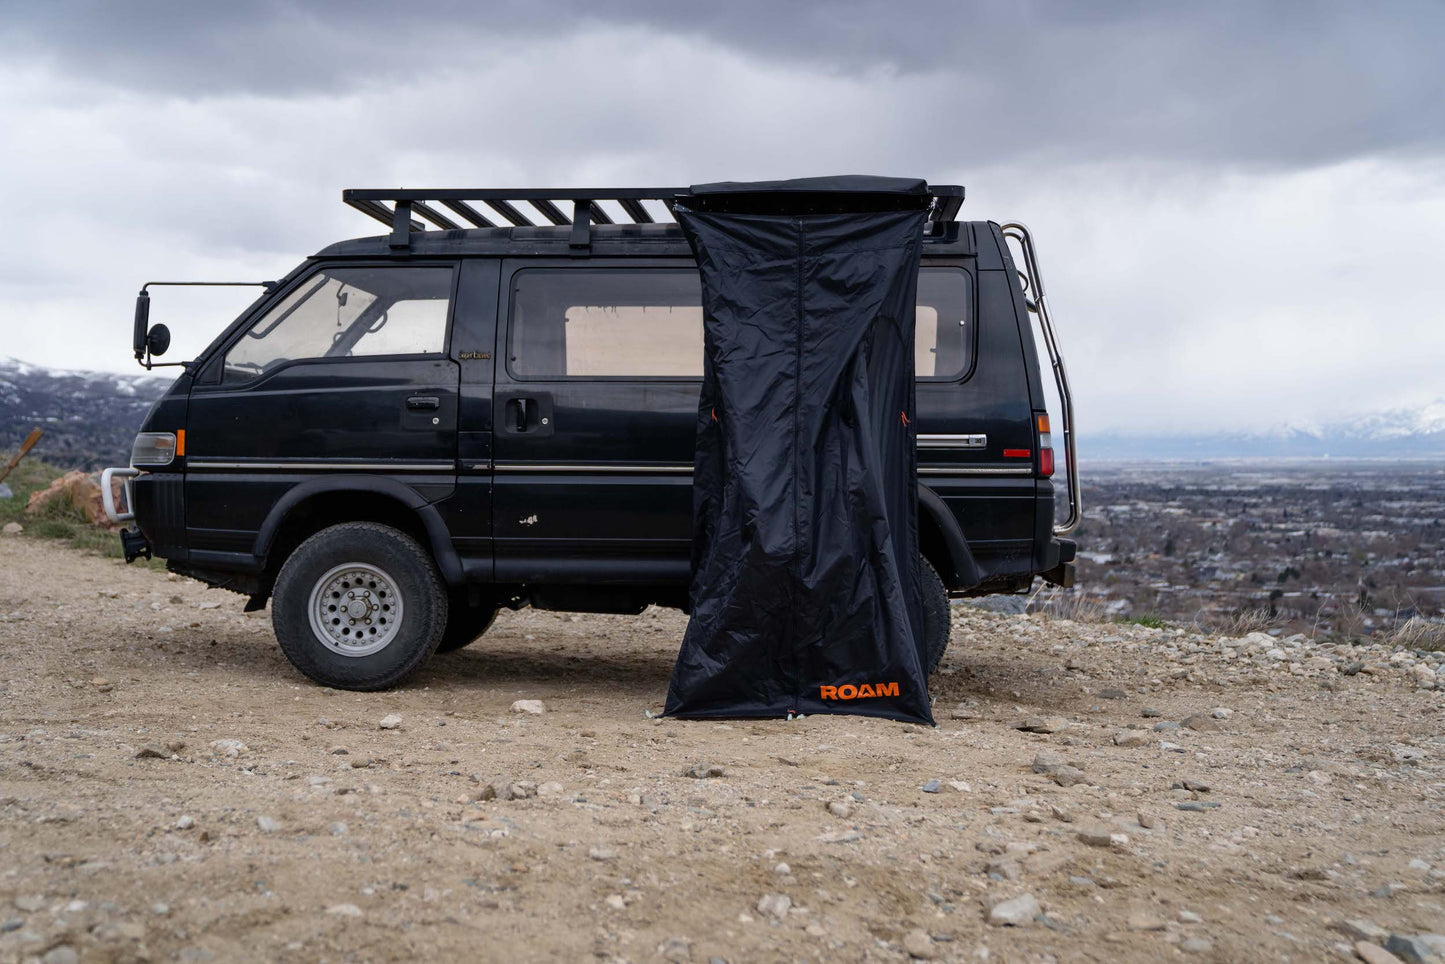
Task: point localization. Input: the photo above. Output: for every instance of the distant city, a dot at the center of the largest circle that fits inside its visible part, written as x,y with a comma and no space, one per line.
1329,548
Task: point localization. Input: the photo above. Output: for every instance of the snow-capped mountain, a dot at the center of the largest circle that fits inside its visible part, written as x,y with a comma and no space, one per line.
89,418
1397,433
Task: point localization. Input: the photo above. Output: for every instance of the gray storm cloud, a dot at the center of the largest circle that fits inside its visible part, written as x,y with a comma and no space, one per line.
1240,206
1266,83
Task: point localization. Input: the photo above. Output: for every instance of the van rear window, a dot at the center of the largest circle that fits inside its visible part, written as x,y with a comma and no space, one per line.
621,322
943,343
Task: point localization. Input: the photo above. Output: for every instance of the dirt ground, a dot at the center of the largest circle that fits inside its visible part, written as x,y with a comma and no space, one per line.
321,836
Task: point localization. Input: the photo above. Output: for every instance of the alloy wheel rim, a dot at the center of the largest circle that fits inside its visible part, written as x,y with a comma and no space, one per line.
355,609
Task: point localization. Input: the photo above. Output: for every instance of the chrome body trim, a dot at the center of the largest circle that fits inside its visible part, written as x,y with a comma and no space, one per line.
952,441
976,470
615,469
326,466
514,467
539,467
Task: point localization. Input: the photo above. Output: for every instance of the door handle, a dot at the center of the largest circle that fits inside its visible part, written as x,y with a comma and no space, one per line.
526,415
423,403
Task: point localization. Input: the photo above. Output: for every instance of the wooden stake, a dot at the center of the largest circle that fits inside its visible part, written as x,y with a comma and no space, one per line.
25,447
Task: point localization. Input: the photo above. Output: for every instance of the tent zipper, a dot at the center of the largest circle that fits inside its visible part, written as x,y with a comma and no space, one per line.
797,439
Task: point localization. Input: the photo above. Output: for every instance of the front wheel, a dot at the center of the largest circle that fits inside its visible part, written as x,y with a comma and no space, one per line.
359,606
936,625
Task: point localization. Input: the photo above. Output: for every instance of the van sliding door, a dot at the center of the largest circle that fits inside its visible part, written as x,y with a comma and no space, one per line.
594,415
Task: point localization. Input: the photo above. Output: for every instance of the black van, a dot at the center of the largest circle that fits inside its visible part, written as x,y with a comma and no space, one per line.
410,431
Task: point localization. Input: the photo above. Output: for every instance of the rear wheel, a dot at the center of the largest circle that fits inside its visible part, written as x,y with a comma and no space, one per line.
466,624
359,606
936,625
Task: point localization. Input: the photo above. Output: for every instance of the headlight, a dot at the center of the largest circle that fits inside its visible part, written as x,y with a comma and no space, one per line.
153,448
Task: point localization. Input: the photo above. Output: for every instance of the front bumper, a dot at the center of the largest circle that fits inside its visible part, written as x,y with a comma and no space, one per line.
107,494
133,543
156,501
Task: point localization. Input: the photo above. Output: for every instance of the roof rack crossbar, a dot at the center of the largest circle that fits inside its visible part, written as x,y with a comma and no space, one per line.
635,210
477,218
550,211
434,216
395,207
505,209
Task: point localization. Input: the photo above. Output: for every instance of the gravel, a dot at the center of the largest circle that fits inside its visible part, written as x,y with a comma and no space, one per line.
472,819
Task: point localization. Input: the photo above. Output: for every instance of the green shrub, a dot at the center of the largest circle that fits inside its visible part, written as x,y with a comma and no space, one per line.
53,529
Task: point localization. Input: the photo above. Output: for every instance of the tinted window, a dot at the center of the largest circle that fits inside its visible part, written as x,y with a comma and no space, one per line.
641,322
589,322
943,345
348,312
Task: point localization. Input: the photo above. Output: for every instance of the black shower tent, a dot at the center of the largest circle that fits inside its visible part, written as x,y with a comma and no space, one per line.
805,594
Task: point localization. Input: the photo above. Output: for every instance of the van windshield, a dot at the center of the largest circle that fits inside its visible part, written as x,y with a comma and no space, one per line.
348,312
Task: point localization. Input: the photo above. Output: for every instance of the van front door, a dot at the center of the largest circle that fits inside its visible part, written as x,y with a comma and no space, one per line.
344,374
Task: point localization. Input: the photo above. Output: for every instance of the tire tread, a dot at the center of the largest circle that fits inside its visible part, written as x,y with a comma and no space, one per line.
293,630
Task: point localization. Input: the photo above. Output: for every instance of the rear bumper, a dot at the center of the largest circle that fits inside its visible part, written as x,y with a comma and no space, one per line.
1062,553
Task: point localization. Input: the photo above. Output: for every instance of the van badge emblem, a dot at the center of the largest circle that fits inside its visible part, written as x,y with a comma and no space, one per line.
475,355
531,520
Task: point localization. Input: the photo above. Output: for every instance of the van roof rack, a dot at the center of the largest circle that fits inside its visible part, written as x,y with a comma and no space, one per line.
407,210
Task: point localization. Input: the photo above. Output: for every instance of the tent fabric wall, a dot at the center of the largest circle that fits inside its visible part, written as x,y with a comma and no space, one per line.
805,595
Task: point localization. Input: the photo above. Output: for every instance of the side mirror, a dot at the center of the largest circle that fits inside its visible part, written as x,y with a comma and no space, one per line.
158,340
142,319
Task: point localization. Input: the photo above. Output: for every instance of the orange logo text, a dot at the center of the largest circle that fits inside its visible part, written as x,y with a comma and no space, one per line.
850,692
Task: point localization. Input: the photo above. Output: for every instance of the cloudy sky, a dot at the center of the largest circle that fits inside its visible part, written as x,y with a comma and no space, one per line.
1240,207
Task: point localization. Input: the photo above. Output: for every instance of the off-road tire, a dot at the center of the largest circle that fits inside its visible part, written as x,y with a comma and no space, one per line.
422,594
936,624
466,624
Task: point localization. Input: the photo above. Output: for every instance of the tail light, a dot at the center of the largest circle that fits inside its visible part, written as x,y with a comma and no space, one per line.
1046,448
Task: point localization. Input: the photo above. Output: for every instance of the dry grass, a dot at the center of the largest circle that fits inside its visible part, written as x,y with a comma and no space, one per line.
1419,634
1071,604
58,519
1240,623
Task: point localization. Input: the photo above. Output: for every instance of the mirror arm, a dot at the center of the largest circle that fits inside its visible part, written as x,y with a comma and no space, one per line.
140,340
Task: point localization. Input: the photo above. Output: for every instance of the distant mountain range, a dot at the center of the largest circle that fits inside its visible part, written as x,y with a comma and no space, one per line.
1395,434
90,417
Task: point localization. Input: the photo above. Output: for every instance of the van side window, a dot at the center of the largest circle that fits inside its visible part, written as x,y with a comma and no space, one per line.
348,312
943,344
601,322
647,322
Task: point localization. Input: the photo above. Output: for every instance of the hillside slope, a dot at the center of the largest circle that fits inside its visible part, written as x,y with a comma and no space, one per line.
89,418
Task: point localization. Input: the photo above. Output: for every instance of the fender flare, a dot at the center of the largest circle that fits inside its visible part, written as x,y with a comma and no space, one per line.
964,572
436,529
